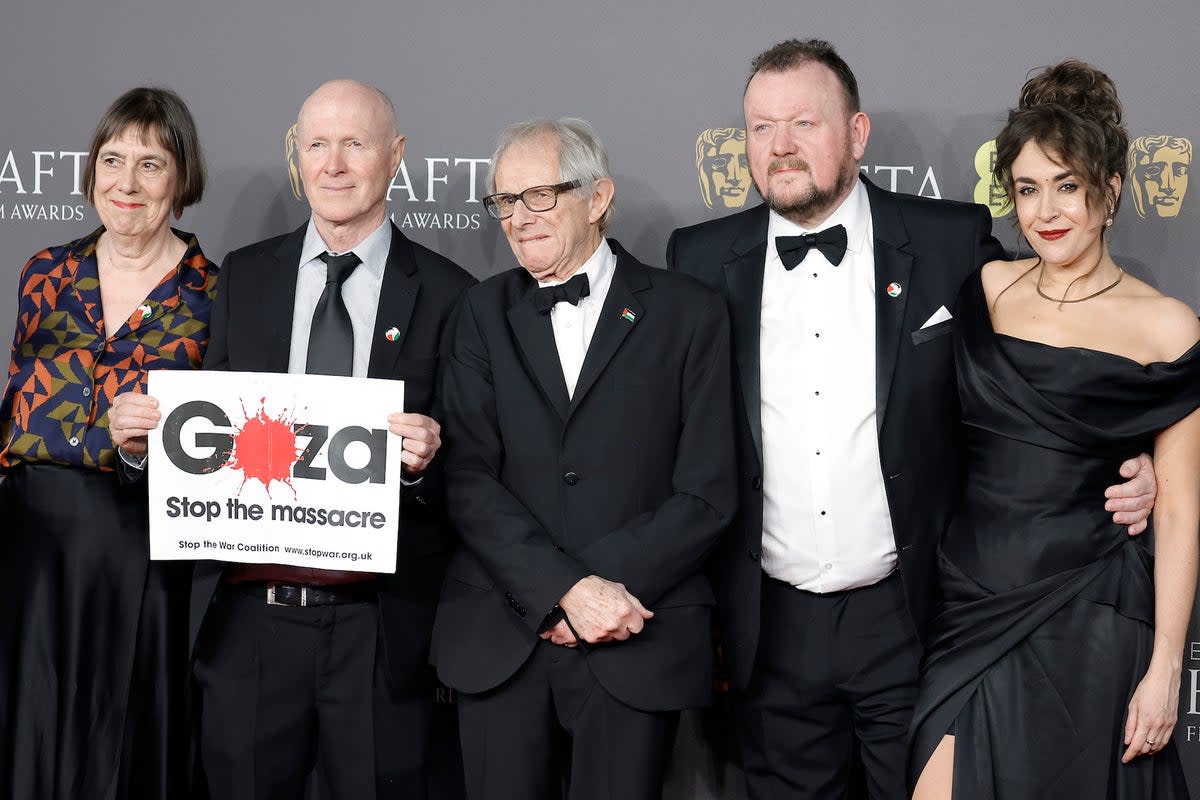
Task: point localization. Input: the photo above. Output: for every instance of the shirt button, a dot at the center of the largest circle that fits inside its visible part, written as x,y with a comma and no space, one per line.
828,566
571,478
822,513
87,391
74,441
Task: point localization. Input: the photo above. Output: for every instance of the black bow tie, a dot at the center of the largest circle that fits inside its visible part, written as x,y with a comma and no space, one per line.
571,292
793,249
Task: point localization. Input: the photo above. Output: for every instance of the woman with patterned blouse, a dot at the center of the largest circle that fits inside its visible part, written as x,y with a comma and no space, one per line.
93,636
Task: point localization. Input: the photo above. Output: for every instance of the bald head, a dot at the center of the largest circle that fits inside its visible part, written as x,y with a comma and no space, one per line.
348,151
344,91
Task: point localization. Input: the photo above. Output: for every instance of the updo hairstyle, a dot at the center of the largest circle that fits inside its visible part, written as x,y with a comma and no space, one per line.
1072,112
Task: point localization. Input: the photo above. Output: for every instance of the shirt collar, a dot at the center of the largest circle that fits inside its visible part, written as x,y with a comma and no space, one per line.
854,214
371,251
599,268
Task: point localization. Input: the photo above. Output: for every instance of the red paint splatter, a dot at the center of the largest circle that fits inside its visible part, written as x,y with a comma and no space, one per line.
264,449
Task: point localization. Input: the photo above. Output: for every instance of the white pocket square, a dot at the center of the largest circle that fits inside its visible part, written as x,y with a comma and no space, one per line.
941,315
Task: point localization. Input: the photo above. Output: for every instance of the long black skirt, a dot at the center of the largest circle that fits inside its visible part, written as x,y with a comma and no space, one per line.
93,643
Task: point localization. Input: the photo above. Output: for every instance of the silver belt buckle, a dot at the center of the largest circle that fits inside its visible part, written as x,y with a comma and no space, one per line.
271,596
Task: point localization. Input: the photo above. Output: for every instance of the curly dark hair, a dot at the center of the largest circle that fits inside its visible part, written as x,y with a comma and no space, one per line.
1071,110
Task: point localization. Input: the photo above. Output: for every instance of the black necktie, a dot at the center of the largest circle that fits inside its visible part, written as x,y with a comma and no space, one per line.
571,292
331,337
793,249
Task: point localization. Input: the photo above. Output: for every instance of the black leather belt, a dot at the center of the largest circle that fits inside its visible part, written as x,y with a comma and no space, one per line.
286,594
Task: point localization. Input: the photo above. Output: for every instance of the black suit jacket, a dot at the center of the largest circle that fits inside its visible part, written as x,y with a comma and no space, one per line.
928,247
251,332
631,479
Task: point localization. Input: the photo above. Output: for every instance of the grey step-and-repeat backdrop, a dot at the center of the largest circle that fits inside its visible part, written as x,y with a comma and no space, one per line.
660,80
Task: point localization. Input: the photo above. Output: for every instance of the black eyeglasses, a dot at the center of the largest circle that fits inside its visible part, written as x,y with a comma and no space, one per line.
535,198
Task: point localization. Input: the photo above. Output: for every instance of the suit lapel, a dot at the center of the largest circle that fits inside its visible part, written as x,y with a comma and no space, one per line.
613,326
397,297
892,265
535,337
744,280
278,282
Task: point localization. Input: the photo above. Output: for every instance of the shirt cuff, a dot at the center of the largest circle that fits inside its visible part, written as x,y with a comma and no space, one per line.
403,480
133,462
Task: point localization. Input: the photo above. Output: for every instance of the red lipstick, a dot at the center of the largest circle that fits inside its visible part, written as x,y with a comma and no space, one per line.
1054,235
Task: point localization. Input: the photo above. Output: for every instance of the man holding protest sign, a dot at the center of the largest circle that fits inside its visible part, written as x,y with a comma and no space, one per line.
298,666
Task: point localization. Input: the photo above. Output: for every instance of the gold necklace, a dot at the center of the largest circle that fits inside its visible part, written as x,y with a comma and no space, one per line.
1063,299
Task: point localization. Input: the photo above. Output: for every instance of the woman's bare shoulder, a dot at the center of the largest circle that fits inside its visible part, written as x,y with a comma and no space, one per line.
1170,324
996,276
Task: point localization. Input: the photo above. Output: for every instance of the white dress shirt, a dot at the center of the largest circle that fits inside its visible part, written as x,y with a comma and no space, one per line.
360,293
574,325
826,525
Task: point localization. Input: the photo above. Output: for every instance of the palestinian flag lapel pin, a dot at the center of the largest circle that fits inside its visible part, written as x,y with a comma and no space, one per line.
144,310
628,315
392,334
894,289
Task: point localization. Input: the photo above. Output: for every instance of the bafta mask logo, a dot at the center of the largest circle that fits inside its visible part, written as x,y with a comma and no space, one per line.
722,167
1158,174
293,162
987,191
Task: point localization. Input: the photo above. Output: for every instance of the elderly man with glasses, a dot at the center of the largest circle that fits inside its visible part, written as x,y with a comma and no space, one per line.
588,442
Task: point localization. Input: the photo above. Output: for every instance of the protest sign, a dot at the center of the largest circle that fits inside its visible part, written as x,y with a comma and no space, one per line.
275,468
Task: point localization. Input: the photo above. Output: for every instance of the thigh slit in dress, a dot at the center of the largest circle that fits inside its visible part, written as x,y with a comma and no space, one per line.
1048,617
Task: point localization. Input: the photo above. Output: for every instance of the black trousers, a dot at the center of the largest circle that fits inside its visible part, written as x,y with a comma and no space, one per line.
833,673
284,691
553,724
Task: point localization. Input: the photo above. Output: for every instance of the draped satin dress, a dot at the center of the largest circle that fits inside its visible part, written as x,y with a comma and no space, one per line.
1047,623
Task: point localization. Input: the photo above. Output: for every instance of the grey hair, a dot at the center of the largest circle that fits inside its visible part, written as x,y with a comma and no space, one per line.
581,154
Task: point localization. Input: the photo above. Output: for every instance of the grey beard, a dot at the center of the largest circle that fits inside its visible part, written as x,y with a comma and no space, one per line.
815,203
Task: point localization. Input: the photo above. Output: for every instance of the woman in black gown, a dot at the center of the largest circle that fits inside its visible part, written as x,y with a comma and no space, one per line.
1054,668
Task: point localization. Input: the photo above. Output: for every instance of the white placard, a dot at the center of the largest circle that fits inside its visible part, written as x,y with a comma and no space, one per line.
275,469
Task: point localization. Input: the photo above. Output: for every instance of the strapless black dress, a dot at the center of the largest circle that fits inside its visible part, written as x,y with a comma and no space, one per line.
1047,624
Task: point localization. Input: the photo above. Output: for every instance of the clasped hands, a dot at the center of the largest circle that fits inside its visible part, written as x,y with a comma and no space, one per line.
600,611
133,415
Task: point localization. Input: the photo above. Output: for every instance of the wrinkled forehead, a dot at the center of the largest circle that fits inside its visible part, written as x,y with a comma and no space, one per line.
529,162
810,86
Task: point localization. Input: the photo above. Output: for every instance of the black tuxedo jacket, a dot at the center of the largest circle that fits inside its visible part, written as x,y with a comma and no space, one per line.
926,246
251,332
631,480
